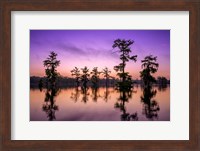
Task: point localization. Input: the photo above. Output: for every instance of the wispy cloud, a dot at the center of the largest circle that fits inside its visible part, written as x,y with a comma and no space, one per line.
70,48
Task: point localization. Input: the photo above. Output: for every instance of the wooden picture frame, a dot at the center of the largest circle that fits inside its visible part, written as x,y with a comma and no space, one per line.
193,6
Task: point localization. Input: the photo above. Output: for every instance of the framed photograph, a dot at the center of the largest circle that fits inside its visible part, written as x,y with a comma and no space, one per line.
99,81
93,75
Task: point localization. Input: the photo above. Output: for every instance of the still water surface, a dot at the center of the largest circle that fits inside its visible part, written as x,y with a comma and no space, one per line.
102,104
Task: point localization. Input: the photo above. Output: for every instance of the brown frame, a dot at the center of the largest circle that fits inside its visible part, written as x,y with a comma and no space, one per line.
193,6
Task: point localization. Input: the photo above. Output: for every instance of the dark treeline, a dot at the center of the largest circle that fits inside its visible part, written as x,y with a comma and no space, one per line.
68,82
71,82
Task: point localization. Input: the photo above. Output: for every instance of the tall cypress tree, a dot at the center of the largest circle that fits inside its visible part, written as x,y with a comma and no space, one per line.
124,50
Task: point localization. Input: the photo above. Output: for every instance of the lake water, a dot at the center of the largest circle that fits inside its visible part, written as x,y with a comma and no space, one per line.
102,104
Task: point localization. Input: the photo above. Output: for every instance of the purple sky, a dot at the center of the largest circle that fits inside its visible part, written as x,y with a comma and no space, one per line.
93,48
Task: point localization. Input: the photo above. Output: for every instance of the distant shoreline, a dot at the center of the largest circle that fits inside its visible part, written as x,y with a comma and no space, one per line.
65,82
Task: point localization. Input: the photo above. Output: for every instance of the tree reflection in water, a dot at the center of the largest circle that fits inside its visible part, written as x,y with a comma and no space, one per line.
162,87
49,105
95,94
147,104
106,94
85,93
75,95
150,106
121,104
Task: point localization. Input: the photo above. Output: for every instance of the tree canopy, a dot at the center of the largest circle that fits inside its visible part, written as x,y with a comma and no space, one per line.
51,63
124,50
76,72
150,66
